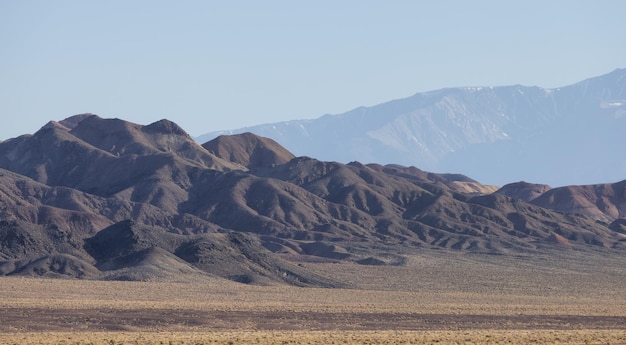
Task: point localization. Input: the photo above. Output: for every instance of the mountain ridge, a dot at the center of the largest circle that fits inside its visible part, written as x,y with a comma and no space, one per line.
494,134
98,198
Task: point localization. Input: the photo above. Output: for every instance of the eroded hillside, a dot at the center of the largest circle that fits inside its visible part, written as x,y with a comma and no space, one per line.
109,199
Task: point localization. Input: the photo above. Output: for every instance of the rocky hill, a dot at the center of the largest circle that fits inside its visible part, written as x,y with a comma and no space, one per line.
603,202
109,199
249,150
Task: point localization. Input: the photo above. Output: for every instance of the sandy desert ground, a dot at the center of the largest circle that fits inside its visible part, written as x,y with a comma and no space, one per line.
437,297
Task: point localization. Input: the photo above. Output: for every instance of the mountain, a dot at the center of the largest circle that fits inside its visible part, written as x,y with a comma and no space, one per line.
98,198
523,190
249,150
603,202
494,134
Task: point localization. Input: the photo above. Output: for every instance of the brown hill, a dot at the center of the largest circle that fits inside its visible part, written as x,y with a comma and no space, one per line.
249,150
523,190
132,250
605,202
109,199
456,182
53,266
107,157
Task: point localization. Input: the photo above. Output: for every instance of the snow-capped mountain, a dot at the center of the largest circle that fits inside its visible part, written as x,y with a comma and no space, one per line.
568,135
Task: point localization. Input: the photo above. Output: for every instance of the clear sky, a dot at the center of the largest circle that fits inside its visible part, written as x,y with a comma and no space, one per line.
213,65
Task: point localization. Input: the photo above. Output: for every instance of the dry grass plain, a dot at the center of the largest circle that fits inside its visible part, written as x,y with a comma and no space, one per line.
438,297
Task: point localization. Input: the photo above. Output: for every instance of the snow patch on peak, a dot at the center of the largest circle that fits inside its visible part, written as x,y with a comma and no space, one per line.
303,130
612,104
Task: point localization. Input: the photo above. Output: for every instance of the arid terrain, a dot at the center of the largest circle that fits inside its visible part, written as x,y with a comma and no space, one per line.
436,297
108,199
118,233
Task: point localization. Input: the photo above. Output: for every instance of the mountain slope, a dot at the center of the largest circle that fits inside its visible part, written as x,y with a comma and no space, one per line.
603,202
107,157
108,199
249,150
494,134
523,190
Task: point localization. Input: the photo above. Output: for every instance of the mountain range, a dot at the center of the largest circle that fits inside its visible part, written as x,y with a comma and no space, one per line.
562,136
100,198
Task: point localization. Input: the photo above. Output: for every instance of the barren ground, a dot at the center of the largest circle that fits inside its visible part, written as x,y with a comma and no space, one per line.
443,297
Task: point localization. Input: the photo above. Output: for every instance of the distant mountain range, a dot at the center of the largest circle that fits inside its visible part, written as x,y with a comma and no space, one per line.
563,136
108,199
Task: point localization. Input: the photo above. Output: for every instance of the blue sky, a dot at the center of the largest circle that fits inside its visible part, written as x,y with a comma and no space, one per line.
213,65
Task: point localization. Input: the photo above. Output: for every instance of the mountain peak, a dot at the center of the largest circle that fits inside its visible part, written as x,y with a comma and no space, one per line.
118,200
164,126
523,190
249,150
73,121
493,134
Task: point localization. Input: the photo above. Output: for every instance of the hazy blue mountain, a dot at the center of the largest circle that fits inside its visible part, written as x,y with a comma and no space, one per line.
568,135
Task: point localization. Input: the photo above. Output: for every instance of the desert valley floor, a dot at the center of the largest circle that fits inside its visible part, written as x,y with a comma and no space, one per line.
437,296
